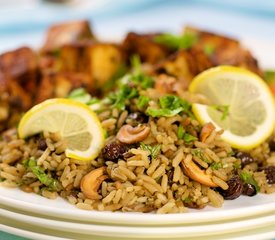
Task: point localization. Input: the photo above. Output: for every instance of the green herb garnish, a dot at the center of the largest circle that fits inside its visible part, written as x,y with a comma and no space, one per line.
216,165
119,97
200,154
180,132
185,41
169,106
51,183
188,138
81,95
153,150
142,101
247,177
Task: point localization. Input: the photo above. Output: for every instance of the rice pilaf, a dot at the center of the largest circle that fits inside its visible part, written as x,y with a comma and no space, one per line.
149,173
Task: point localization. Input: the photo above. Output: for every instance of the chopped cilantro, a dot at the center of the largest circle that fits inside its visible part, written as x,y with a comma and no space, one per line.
185,41
216,166
51,183
153,150
142,80
200,154
247,177
119,97
236,165
209,49
180,132
81,95
169,106
222,108
143,101
188,138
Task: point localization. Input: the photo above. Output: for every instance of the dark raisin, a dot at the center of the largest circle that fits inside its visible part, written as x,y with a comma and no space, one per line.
42,145
249,190
270,173
245,158
114,150
170,176
235,188
137,118
272,145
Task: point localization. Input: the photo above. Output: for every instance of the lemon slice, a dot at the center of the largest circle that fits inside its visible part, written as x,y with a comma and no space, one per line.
241,104
75,122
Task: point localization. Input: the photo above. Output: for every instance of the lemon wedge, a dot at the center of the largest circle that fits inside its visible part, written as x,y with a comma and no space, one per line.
74,121
240,103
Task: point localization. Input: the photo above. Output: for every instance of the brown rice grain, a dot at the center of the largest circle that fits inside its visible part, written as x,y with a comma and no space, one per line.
215,198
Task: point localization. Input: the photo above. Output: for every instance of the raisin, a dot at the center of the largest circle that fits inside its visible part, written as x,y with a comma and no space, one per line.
136,118
114,150
235,188
272,145
249,190
245,158
270,173
42,145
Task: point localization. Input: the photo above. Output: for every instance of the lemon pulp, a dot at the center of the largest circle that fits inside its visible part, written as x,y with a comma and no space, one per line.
74,121
249,116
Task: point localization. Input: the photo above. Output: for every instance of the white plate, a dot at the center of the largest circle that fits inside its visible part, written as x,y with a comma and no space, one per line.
142,231
24,229
241,207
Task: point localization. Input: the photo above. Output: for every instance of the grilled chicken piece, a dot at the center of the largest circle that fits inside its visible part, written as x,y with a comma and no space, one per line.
18,81
144,46
224,50
100,61
207,51
18,76
64,33
60,84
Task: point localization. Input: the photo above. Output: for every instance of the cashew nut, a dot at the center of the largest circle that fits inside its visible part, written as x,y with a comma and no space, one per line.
195,173
128,134
91,182
206,131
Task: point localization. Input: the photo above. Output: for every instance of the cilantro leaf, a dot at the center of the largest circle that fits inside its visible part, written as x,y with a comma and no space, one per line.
51,183
142,101
153,150
198,152
216,165
119,97
188,138
185,41
169,106
81,95
180,132
247,177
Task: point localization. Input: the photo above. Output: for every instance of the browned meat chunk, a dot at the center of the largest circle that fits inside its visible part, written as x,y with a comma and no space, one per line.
144,45
100,61
64,33
18,76
207,51
60,84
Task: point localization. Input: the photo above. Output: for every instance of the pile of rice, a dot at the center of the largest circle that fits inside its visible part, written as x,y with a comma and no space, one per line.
136,182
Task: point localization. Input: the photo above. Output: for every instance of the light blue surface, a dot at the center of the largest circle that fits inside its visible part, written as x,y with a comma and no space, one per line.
24,24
